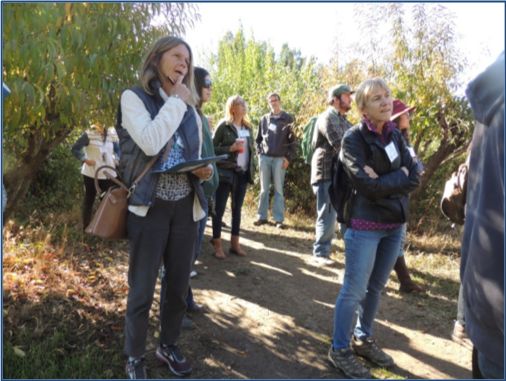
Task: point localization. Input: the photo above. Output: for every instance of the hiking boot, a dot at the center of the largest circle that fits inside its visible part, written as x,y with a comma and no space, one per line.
407,284
368,349
260,222
173,357
188,324
346,360
235,248
136,369
218,250
459,336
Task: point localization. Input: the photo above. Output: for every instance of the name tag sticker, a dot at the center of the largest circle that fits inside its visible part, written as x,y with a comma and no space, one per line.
412,151
179,142
244,134
272,127
391,151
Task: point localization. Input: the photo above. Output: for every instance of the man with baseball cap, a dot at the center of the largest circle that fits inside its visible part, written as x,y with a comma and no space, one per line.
330,128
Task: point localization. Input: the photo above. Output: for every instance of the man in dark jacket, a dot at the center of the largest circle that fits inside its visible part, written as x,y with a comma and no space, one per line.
482,266
275,145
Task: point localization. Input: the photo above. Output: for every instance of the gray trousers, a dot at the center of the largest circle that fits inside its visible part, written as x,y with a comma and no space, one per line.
166,233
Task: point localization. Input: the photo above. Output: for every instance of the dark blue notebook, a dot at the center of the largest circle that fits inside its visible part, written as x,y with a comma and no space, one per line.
192,165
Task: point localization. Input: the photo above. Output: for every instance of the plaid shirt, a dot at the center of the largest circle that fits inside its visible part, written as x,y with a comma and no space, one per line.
330,128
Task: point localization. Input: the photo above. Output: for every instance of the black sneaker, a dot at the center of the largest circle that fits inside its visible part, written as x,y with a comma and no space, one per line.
368,349
173,357
136,370
346,360
188,324
196,308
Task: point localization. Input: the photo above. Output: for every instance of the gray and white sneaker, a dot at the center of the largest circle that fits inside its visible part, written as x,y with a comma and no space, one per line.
173,357
323,261
136,369
346,360
368,349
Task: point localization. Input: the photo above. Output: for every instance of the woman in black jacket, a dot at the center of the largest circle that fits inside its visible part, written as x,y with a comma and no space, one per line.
383,173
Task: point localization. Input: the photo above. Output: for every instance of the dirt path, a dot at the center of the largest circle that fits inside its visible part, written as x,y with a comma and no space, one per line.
270,316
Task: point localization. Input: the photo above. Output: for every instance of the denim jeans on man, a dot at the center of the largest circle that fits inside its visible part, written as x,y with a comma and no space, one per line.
271,166
370,258
325,221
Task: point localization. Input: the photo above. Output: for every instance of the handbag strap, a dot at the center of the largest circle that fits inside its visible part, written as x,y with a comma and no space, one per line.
109,176
138,179
149,165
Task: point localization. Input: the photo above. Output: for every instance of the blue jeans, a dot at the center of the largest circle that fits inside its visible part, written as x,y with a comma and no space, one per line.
189,298
403,240
270,165
489,369
325,221
370,258
222,194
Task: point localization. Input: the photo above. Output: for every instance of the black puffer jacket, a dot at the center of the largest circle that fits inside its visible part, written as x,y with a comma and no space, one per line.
384,199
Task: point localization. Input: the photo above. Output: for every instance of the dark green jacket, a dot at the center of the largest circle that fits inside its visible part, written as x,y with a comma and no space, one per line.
210,185
224,136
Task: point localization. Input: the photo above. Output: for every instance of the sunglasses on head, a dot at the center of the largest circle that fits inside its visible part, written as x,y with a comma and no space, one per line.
208,83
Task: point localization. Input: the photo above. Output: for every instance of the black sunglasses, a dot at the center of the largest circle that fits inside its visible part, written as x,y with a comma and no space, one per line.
208,83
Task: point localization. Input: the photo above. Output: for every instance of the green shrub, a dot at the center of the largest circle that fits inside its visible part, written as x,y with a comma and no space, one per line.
58,186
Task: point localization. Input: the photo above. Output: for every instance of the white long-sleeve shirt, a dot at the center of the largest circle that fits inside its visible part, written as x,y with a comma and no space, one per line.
151,135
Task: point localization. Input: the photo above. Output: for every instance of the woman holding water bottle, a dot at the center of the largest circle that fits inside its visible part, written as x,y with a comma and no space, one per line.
233,136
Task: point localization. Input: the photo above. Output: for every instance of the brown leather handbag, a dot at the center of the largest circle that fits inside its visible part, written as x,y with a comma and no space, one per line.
110,220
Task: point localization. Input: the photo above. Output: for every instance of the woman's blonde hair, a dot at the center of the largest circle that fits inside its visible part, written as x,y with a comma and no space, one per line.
366,88
229,116
150,69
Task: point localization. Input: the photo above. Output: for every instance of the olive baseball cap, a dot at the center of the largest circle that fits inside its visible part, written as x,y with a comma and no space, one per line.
339,90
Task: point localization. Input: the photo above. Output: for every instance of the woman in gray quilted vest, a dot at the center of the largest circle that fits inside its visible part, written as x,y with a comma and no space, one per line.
165,207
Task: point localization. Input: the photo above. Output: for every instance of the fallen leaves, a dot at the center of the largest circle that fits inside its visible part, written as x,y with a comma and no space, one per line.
19,352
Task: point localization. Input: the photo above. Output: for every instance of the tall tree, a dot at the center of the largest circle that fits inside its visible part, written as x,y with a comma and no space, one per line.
66,64
413,47
250,68
426,71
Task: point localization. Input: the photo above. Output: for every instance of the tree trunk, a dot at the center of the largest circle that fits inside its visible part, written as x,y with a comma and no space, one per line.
17,180
453,139
431,166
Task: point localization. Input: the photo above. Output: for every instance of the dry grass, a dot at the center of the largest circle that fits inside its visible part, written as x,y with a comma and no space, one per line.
65,292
